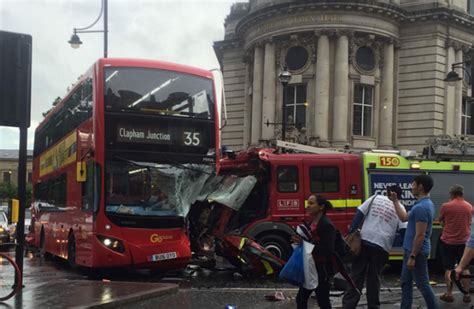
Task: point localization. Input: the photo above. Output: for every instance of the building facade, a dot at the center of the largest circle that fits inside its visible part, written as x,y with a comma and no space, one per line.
9,166
365,74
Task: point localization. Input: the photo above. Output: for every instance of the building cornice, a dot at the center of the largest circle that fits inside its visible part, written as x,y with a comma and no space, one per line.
220,46
387,11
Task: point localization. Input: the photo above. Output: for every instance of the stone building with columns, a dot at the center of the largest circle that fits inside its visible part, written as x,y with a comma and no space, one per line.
367,74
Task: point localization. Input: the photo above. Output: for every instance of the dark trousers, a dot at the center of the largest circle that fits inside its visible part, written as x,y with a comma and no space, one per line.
368,264
322,291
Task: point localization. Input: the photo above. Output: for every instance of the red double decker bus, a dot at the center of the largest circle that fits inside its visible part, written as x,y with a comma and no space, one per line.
110,158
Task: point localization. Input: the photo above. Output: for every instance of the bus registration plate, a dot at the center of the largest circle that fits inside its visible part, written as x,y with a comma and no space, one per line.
163,256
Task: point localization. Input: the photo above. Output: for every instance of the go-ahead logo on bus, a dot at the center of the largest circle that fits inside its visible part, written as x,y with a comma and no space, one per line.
155,238
389,161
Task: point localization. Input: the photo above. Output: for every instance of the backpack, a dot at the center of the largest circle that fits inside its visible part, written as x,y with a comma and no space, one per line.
341,247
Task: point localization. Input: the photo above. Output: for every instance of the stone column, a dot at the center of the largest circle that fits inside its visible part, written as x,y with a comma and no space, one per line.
321,115
257,96
341,85
247,107
269,92
386,102
458,95
449,95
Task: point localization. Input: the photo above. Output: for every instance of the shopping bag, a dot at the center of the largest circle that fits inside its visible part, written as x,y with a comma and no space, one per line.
310,272
354,241
293,271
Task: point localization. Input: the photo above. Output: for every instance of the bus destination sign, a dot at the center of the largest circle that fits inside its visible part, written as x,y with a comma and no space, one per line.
161,136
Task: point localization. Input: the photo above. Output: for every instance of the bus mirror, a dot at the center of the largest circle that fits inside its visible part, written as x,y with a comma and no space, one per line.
81,171
220,97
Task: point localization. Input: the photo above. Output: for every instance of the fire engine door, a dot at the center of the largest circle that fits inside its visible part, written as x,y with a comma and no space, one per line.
286,195
326,178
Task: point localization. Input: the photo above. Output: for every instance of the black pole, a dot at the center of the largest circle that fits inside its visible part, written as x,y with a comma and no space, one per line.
283,122
20,229
106,29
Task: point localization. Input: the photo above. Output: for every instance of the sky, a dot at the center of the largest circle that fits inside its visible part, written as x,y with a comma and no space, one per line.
181,31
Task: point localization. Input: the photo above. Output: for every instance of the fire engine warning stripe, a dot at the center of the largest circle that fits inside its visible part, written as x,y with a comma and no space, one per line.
345,203
268,268
340,203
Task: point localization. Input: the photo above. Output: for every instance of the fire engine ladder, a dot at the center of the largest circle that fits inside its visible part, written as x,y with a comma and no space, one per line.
447,147
304,148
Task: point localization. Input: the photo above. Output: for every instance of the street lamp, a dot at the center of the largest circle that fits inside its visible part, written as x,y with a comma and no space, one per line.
76,42
284,77
453,76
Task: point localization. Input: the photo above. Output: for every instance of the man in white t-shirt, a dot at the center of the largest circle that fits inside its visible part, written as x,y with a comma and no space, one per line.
380,224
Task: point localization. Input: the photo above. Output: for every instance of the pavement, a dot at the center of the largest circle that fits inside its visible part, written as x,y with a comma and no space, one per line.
52,285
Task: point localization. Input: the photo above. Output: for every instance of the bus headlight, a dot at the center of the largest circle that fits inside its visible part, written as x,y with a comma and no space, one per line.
111,243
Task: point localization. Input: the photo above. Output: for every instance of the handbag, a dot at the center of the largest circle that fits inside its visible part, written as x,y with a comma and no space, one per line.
354,239
293,271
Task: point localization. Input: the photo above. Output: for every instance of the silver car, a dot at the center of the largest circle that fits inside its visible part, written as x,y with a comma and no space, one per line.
4,229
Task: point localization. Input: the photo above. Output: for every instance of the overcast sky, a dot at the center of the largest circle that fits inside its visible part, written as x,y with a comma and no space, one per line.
181,31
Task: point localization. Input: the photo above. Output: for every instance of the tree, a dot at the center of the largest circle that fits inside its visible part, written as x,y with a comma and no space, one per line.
7,191
28,194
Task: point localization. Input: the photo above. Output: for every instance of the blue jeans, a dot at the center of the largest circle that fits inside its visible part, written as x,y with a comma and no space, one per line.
420,274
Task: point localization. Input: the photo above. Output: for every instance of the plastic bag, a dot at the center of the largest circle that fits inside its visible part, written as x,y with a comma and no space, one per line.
310,272
293,271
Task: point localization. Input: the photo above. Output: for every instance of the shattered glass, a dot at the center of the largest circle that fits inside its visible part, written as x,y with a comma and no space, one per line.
151,189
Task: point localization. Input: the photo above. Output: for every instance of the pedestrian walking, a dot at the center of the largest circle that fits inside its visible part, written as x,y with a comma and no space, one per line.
323,236
380,225
455,216
417,242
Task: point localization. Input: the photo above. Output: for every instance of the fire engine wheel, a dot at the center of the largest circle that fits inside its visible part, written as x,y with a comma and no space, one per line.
277,245
71,251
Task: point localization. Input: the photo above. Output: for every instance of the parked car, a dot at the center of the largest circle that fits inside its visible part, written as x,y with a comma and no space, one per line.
4,228
27,224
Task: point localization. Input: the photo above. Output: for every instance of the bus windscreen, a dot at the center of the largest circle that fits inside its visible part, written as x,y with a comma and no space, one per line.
142,90
153,190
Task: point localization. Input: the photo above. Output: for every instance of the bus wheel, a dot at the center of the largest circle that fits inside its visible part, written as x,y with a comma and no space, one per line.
277,245
71,251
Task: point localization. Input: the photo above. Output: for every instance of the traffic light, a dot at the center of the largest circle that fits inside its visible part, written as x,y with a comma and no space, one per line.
15,79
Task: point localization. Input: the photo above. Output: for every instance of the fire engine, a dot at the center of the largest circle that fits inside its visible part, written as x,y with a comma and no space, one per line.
285,179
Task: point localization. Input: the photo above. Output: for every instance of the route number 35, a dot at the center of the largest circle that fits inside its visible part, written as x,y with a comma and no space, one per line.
192,138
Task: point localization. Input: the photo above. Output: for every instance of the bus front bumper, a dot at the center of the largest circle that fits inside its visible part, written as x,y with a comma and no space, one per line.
165,255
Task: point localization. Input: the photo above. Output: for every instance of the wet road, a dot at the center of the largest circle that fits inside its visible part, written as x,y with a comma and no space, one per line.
200,288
